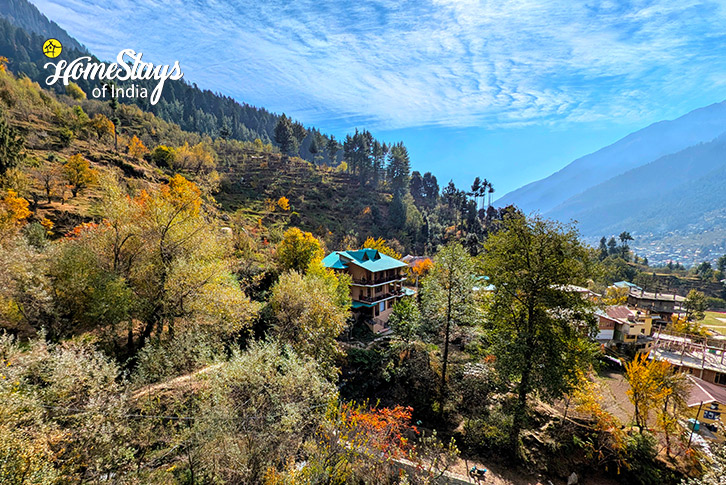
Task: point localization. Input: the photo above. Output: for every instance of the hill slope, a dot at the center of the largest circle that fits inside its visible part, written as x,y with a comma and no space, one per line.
681,191
636,149
26,15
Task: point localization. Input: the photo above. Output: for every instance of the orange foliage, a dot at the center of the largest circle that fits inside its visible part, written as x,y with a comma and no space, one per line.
137,148
384,429
422,266
81,229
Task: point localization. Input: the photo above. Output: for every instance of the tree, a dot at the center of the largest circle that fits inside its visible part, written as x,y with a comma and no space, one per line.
405,320
612,246
196,159
308,316
74,91
381,245
332,148
721,264
102,126
653,385
79,174
448,299
695,305
297,250
13,210
399,167
47,176
285,136
136,148
163,156
11,146
538,328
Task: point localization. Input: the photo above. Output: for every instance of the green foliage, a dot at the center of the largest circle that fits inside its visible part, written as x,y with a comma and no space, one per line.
285,136
163,156
538,329
74,91
191,348
695,305
308,316
11,146
263,406
405,320
448,299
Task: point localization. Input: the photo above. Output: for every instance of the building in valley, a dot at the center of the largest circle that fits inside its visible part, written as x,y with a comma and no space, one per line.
377,283
706,404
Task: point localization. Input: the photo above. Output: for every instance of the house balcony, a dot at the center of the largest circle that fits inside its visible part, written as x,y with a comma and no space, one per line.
381,297
378,281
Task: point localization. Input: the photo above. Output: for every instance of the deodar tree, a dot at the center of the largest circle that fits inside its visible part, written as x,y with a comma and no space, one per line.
538,329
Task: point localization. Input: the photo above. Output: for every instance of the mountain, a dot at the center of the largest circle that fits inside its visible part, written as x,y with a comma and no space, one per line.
683,191
26,15
635,150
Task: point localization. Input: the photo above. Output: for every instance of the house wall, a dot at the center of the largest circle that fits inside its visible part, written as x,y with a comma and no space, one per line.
712,414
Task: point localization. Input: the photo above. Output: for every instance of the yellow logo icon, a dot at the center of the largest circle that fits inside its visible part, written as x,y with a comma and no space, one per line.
52,48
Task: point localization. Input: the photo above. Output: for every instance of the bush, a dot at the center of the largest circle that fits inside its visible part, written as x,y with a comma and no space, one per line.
185,352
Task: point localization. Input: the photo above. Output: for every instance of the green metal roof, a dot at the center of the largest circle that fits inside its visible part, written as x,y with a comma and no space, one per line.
370,259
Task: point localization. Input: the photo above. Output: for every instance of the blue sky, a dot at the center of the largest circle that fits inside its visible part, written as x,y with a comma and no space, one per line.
510,90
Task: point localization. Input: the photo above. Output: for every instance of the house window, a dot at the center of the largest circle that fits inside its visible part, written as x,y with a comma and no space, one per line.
382,306
390,303
710,415
375,311
720,379
714,405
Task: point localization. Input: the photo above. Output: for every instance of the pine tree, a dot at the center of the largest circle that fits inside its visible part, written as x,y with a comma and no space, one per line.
399,166
11,146
285,136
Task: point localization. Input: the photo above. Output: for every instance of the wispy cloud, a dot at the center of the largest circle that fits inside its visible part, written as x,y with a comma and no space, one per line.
413,63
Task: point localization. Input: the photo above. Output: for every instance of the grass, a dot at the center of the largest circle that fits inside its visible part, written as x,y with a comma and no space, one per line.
712,321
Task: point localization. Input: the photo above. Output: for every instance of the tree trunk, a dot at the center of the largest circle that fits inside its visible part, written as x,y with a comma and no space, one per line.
520,412
442,389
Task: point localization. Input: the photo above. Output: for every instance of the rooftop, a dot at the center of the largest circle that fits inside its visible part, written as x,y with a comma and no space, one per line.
370,259
647,295
705,392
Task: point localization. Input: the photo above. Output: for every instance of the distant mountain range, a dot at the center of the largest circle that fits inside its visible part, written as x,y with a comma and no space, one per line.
666,179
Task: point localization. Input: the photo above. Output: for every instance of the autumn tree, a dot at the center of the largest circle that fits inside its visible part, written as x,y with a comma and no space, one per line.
297,250
538,328
136,148
196,159
381,245
79,174
102,126
448,300
644,377
13,210
74,91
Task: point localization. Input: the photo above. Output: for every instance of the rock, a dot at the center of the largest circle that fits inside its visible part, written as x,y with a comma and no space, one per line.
572,480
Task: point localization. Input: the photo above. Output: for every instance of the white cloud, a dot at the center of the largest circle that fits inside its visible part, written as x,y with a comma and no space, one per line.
443,62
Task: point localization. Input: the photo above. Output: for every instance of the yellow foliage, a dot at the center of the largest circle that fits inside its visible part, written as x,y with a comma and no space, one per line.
298,250
3,63
380,245
284,203
137,148
13,209
79,174
102,126
48,225
183,193
615,296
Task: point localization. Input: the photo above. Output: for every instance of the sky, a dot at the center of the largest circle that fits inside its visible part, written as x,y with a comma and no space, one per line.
509,90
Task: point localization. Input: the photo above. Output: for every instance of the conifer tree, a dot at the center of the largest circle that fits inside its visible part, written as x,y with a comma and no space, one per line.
285,136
